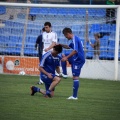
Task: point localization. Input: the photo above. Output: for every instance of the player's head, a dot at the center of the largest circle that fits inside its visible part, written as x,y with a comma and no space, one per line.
47,26
67,33
57,49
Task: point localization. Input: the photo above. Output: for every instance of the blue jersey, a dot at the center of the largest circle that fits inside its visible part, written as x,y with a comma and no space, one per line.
77,45
49,63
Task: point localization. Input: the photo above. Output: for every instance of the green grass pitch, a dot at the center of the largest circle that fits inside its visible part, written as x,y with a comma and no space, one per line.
98,100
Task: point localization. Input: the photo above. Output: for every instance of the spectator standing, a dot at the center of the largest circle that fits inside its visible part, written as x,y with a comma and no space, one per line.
96,44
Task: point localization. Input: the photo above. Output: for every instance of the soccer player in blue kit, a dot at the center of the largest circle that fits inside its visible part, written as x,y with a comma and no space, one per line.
50,61
78,59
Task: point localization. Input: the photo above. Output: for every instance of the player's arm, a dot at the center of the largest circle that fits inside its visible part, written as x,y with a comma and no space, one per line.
50,47
41,67
37,42
58,71
65,46
70,55
58,66
45,72
36,46
93,45
75,50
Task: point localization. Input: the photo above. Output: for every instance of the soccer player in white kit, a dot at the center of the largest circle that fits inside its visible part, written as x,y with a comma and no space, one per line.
49,39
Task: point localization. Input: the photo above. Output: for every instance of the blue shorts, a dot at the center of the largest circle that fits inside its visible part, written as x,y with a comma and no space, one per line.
76,68
47,81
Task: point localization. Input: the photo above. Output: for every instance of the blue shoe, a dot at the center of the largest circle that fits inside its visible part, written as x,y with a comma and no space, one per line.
48,93
33,90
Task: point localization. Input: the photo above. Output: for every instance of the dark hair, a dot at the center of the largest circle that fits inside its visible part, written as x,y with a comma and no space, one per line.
58,48
47,24
66,30
43,29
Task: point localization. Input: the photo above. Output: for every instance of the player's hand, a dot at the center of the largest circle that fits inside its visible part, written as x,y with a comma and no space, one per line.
63,55
46,49
64,59
50,75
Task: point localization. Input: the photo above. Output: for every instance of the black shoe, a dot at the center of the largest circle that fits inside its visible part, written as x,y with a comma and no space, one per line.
32,90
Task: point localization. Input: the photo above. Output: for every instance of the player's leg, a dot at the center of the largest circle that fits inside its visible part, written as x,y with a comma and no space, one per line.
35,89
64,69
64,66
76,69
47,86
56,80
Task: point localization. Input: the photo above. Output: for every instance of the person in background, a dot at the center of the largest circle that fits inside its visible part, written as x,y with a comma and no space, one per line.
39,45
49,38
110,13
96,44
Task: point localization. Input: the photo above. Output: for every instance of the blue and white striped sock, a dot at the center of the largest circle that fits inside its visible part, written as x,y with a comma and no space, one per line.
36,89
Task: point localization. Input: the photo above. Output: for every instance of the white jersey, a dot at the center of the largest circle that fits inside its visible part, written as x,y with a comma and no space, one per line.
48,38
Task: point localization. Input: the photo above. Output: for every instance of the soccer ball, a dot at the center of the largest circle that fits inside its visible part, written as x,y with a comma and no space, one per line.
21,73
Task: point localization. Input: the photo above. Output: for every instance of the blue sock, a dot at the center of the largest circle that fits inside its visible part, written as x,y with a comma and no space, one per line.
75,87
64,68
36,89
48,91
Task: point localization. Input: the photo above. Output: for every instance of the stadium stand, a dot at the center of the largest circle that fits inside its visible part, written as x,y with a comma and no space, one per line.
2,10
12,44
